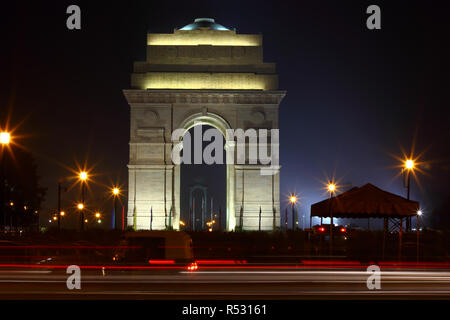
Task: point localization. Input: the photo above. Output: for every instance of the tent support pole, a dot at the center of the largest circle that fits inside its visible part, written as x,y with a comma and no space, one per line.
417,236
386,226
400,235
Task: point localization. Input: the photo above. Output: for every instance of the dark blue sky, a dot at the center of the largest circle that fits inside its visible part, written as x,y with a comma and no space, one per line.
354,96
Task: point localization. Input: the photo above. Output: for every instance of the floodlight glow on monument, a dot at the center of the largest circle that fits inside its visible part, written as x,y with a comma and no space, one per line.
179,80
196,40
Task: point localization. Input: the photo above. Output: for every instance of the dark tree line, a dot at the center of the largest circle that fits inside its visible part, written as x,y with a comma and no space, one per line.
21,194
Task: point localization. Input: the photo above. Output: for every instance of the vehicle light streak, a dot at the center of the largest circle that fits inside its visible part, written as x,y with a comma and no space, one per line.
69,247
90,267
194,266
161,261
331,262
221,261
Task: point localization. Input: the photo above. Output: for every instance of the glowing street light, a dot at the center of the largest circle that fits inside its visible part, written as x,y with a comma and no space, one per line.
61,214
116,191
97,215
409,164
331,187
83,176
293,199
5,138
80,206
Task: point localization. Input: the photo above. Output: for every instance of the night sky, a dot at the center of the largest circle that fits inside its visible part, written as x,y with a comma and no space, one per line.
355,97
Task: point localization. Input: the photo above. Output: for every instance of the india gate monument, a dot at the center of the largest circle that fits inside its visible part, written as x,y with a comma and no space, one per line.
201,74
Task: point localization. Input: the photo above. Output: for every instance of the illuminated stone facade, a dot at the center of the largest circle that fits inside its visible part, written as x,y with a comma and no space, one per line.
201,74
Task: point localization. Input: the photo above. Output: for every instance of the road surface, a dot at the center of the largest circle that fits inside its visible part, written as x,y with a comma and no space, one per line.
217,283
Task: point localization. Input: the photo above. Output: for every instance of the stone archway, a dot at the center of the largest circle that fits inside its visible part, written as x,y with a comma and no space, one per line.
218,122
200,74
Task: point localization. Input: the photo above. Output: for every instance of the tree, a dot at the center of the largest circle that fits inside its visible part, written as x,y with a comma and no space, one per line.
21,193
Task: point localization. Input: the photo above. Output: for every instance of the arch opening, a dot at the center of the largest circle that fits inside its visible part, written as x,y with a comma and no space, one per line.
203,187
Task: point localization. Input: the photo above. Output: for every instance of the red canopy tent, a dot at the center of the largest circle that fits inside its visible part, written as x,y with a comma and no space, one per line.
367,201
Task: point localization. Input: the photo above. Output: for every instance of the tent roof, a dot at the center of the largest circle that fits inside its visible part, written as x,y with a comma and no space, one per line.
367,201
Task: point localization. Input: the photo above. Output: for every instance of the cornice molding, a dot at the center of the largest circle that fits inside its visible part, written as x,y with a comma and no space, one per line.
204,96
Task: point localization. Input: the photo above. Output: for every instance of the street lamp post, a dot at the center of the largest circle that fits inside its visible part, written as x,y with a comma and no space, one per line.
60,190
409,165
60,216
331,189
115,192
59,205
60,213
293,200
419,213
83,179
5,139
80,207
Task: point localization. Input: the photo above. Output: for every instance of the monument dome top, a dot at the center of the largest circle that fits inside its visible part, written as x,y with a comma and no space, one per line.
201,23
